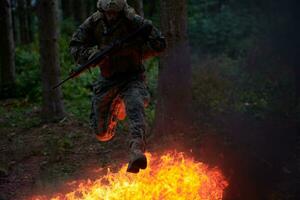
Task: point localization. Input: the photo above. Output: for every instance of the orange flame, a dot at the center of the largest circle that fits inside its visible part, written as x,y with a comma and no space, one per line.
173,176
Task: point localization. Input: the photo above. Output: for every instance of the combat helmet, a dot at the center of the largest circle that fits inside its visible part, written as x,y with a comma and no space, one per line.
111,5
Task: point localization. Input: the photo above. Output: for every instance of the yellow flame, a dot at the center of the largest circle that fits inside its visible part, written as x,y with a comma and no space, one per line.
173,176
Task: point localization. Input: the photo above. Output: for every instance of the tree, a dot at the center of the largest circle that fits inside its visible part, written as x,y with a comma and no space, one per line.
24,18
79,10
52,107
295,55
15,22
173,113
152,8
67,8
7,50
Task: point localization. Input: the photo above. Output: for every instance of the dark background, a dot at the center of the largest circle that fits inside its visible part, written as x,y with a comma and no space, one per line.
230,76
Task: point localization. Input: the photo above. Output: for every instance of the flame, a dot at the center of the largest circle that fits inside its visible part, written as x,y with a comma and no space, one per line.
172,176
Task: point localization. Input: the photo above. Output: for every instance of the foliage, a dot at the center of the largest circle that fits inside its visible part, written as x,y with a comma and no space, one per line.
152,78
19,113
215,27
235,69
223,85
223,37
28,72
213,86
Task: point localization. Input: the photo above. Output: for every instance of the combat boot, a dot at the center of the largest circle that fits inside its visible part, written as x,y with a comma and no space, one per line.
137,158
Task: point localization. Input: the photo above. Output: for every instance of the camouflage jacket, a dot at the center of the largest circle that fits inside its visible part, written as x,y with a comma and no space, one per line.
95,34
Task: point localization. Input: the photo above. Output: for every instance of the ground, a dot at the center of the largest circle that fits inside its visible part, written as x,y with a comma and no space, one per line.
257,158
34,154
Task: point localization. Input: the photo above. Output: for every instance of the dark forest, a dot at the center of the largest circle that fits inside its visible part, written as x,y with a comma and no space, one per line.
225,92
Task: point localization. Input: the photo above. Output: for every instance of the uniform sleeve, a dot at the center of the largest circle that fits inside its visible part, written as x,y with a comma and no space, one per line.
83,42
155,43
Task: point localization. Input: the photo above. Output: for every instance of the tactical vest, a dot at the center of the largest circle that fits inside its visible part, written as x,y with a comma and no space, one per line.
127,60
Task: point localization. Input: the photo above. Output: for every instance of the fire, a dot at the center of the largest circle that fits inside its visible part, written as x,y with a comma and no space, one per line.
173,176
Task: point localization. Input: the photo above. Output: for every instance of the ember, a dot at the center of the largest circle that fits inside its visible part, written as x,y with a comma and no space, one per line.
172,176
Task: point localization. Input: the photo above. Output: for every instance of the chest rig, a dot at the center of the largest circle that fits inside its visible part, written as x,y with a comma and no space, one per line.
128,59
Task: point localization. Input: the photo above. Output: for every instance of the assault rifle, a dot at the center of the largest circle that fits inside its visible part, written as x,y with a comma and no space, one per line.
143,31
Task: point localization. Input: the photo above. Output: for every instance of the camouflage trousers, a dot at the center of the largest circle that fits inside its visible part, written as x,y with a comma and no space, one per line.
134,95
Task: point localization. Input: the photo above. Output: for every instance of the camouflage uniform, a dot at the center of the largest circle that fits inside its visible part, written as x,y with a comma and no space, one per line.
121,82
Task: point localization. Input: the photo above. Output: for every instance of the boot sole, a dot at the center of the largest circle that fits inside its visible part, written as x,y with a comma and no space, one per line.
136,165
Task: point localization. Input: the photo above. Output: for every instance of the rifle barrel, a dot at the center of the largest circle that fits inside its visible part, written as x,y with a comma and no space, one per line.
62,82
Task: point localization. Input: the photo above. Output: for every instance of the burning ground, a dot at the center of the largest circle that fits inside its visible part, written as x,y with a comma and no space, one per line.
39,159
170,177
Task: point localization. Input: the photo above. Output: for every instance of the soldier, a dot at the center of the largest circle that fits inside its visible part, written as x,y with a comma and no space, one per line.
120,90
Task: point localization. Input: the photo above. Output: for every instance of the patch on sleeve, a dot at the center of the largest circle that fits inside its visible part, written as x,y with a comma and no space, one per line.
97,16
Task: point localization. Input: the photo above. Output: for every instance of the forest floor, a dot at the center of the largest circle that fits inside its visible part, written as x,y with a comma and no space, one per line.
35,155
258,158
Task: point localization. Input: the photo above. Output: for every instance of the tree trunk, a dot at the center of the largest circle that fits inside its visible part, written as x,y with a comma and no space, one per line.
173,112
7,51
152,8
29,11
53,108
79,10
296,43
24,26
15,22
138,6
67,8
296,66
